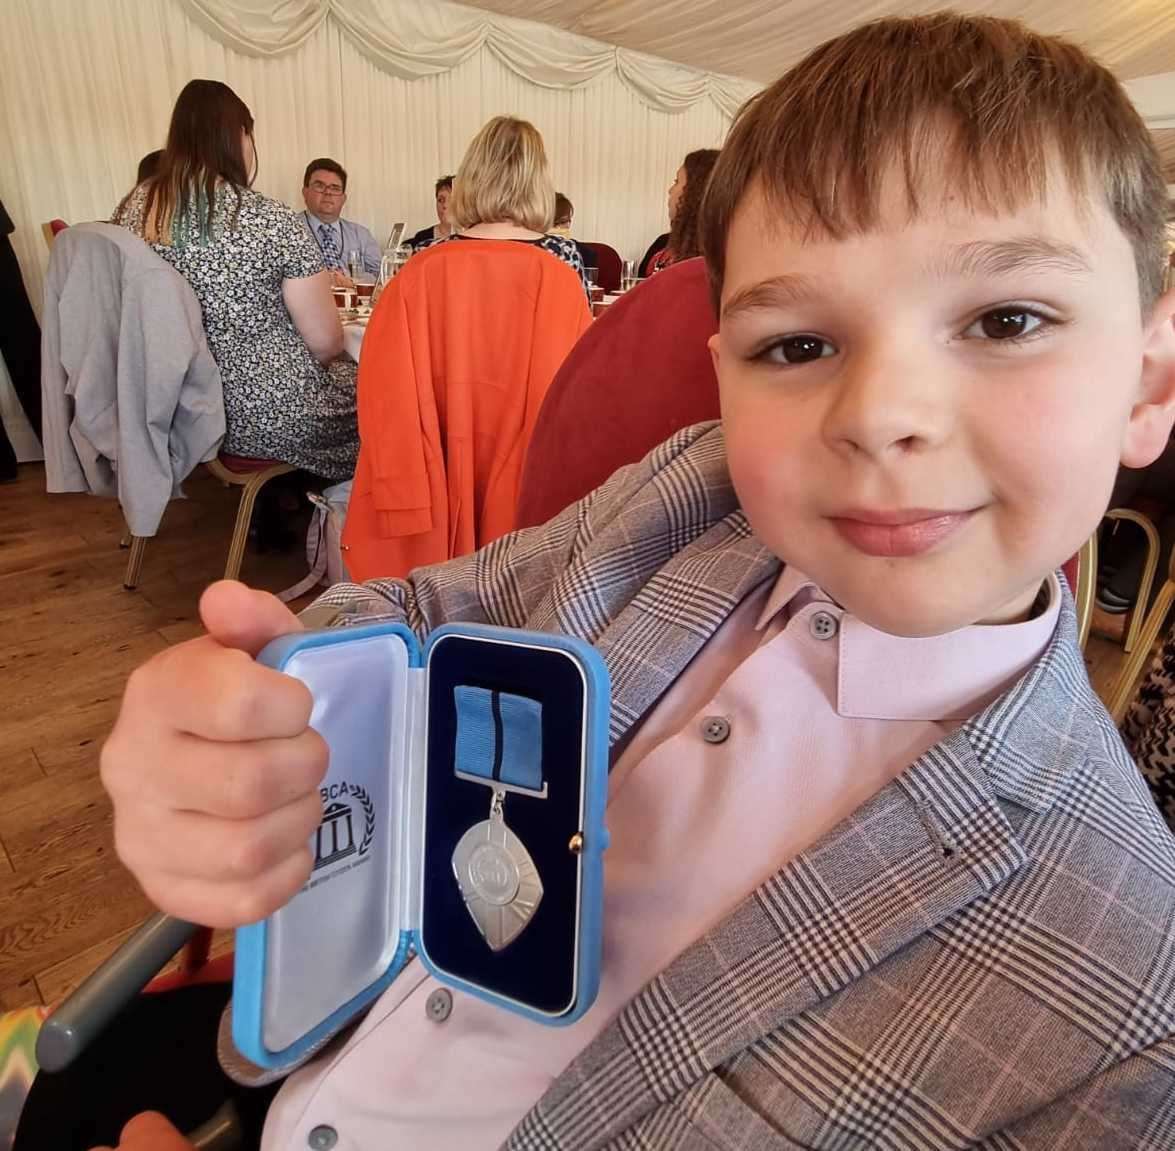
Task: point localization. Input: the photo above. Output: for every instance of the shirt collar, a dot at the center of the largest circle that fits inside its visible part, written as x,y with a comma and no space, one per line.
337,225
936,678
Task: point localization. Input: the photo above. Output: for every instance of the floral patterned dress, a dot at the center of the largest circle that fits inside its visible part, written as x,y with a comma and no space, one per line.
280,402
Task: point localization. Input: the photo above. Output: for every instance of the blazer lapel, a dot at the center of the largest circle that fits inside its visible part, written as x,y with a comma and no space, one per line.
654,638
925,847
658,582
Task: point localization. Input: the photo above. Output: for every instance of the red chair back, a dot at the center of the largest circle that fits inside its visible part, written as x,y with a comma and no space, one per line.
609,264
639,374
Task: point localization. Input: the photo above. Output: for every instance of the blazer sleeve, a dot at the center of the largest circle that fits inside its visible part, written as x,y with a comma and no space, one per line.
63,469
395,424
1129,1105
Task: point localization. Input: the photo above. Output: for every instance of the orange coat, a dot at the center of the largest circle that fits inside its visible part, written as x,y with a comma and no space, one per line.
456,360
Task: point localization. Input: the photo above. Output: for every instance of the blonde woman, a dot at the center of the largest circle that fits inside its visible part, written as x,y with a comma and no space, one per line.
504,191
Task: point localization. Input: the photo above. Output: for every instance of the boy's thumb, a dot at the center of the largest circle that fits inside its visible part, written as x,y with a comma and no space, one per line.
242,617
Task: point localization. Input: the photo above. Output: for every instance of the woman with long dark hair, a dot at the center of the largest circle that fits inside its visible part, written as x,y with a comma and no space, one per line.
268,311
685,203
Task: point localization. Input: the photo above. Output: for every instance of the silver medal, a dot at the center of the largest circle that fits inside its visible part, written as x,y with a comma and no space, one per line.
498,880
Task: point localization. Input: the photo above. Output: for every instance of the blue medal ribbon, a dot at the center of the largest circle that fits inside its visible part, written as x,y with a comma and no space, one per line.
499,737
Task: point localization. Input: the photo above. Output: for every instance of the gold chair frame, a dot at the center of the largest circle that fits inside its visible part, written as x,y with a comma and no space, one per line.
1123,689
250,484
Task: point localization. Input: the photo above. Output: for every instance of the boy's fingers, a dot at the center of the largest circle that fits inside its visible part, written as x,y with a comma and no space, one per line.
241,617
224,905
215,692
238,781
193,845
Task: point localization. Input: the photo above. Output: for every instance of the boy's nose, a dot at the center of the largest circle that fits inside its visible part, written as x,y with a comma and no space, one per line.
887,406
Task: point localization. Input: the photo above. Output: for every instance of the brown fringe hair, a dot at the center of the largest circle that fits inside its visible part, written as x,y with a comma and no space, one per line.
987,100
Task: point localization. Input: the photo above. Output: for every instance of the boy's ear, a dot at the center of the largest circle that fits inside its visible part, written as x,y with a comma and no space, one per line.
1151,418
712,344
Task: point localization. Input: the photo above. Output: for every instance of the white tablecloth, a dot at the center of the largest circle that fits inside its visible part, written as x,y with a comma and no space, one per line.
353,337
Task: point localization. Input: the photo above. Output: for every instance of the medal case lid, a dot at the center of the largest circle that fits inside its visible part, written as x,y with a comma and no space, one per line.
395,807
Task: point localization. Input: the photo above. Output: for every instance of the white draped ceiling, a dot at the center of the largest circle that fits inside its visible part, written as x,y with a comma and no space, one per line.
414,38
760,38
394,89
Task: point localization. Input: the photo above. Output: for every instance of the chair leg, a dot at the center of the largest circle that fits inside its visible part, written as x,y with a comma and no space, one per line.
134,563
1147,581
1123,689
236,551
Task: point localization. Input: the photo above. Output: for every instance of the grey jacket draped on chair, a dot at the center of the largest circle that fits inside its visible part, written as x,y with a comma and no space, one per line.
982,955
131,394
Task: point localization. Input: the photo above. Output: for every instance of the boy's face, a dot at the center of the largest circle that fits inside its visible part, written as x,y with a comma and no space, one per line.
928,418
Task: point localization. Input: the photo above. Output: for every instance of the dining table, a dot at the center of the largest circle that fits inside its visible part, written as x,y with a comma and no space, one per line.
353,332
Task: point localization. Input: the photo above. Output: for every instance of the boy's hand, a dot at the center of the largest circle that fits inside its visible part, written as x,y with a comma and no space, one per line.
150,1132
214,771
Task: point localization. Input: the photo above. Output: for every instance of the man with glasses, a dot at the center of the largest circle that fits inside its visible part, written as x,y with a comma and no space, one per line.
324,189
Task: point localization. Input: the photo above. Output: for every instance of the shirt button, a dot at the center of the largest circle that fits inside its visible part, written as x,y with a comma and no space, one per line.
439,1005
823,625
715,729
322,1138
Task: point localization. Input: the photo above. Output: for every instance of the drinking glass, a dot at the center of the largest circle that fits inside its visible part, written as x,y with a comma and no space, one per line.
354,264
593,275
628,278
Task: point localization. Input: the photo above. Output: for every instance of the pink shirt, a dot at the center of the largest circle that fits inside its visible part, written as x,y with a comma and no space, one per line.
792,716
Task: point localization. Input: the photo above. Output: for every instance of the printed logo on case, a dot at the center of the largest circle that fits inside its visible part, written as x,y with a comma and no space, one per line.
346,831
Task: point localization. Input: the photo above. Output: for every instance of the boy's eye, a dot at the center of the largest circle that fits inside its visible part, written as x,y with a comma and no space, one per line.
1004,324
799,350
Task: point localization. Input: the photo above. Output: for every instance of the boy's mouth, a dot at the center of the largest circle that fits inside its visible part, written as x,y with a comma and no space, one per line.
904,532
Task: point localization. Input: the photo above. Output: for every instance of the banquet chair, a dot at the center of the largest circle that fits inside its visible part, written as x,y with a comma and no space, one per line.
50,229
609,265
639,374
250,475
1151,566
1122,691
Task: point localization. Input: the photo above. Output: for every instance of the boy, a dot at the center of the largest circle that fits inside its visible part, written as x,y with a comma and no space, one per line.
882,874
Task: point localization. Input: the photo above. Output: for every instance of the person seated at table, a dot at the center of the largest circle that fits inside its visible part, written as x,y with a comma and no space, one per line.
457,359
443,228
503,191
645,267
271,323
324,191
148,166
564,218
685,207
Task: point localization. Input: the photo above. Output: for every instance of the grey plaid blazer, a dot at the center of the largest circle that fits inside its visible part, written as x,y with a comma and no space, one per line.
983,955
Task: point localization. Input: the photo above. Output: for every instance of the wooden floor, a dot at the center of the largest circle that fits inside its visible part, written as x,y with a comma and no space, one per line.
70,634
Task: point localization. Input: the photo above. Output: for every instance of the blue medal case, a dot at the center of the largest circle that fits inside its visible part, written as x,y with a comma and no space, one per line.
395,807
